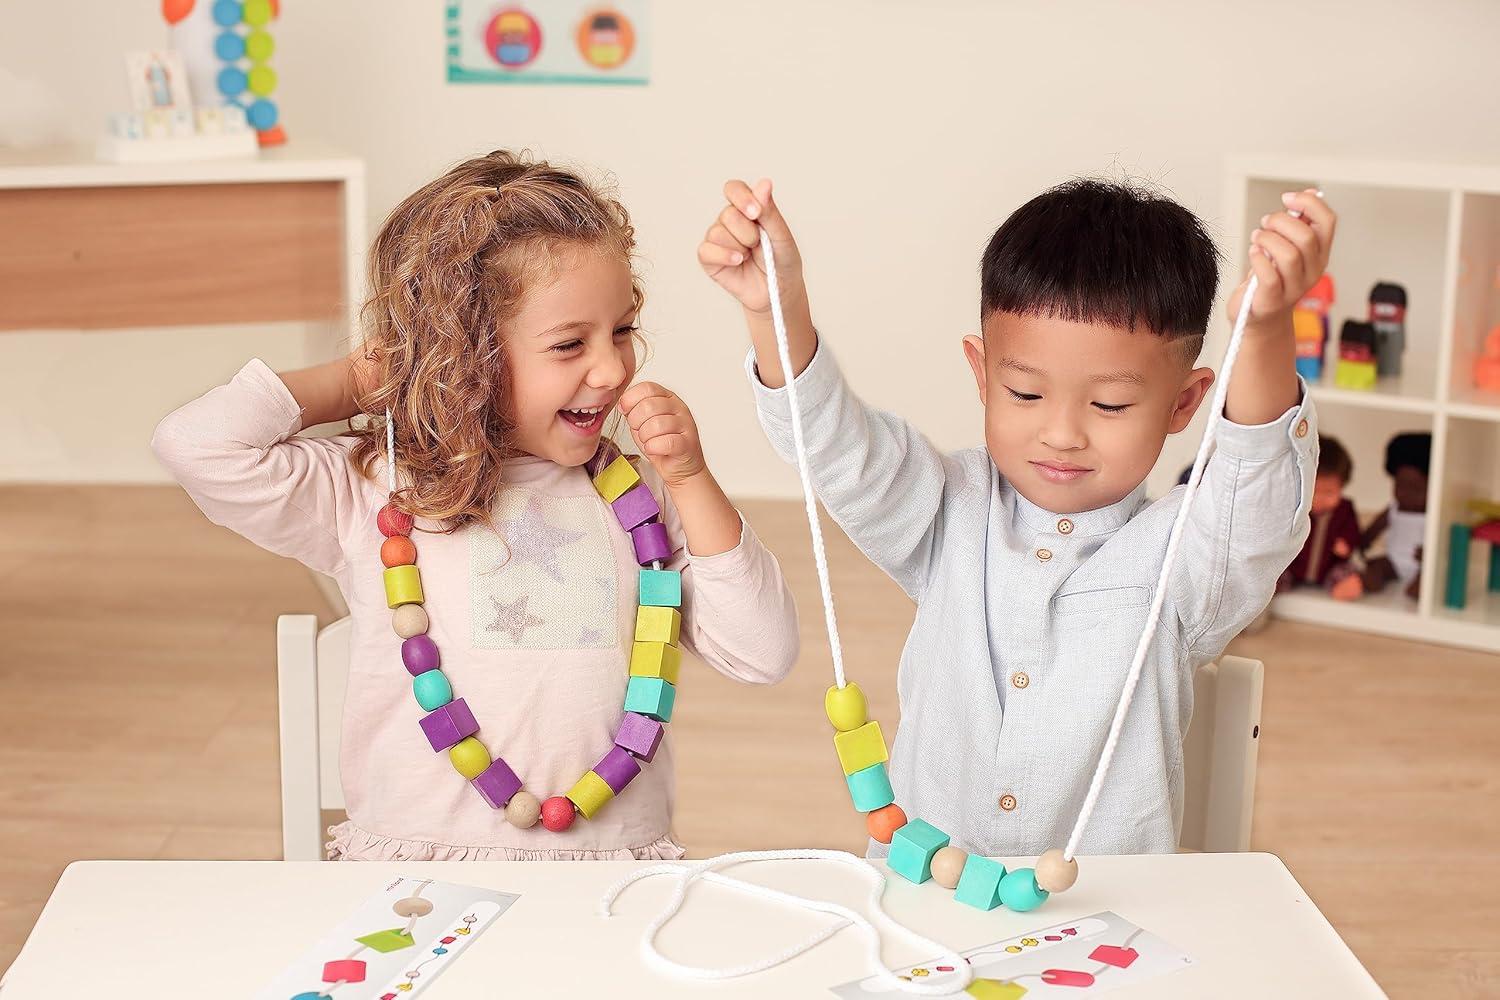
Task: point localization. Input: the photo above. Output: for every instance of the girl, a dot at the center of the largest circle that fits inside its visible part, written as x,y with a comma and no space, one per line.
501,336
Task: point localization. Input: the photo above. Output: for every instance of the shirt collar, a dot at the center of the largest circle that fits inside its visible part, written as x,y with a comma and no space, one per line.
1102,521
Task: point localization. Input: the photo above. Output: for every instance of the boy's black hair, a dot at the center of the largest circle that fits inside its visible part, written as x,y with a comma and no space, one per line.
1333,459
1413,449
1093,251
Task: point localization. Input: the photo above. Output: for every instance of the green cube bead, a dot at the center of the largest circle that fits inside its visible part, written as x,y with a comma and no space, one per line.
979,885
870,788
912,849
661,588
432,689
651,697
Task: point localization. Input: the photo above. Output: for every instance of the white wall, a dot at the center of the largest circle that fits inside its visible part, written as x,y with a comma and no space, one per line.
899,135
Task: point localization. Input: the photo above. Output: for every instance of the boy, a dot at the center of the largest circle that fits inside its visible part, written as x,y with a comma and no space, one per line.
1033,562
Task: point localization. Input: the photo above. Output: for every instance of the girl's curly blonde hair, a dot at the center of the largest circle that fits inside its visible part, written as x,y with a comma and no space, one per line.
449,266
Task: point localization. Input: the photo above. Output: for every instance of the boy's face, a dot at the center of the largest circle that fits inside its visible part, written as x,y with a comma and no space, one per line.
1076,413
571,351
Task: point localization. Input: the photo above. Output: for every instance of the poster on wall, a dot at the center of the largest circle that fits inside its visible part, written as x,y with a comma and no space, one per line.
548,41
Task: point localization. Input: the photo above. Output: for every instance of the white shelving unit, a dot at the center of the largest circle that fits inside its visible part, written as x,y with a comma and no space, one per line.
1436,230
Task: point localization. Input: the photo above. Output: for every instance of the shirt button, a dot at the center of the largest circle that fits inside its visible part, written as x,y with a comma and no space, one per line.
1008,802
1065,526
1020,680
1044,554
1301,428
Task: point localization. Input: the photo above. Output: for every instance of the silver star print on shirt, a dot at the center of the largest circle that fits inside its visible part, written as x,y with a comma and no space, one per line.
512,618
534,539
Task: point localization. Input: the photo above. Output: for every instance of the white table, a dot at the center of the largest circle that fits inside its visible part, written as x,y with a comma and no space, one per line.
136,929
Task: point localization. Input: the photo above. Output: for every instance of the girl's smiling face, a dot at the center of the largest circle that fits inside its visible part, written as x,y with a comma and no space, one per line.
571,351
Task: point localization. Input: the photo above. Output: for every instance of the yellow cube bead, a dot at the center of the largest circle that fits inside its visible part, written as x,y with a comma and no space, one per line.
469,757
590,794
655,659
617,477
845,707
861,748
658,625
403,585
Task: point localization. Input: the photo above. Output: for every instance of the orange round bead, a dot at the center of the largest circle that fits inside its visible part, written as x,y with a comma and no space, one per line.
398,550
884,822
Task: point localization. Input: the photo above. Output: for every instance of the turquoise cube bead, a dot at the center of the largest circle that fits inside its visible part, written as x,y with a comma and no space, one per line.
651,697
661,588
912,848
1019,891
870,788
432,689
979,885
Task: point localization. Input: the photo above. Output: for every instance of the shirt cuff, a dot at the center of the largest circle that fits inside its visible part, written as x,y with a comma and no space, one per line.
282,415
1295,430
818,381
727,562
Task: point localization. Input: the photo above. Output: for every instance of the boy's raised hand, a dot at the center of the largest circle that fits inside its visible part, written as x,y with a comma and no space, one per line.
1288,253
730,251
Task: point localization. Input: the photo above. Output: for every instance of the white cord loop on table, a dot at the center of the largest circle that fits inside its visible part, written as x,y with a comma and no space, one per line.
706,870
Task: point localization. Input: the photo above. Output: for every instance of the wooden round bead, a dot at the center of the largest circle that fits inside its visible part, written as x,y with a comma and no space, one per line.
522,810
884,822
948,865
558,813
392,522
470,758
398,550
1053,873
845,707
409,620
412,906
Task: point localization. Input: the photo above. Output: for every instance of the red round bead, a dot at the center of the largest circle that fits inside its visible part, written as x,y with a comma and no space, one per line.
558,813
393,522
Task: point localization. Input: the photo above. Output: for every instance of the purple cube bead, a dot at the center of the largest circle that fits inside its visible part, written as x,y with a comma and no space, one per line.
640,735
651,543
617,768
445,726
497,784
636,506
420,654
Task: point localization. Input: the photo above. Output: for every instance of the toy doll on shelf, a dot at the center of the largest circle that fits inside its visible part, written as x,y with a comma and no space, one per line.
1407,457
1335,535
1357,367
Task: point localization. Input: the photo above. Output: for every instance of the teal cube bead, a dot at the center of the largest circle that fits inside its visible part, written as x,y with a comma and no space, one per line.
870,788
651,697
661,588
1019,891
432,689
912,848
979,885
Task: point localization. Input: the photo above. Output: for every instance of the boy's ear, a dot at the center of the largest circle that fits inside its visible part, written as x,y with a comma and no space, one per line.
974,351
1194,390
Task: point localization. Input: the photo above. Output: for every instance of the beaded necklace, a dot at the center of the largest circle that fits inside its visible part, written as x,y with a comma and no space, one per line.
655,658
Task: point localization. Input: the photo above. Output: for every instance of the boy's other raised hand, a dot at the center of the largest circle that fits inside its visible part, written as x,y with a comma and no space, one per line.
730,251
1288,253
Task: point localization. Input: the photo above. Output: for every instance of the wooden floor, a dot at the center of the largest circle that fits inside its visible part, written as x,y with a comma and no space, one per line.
138,720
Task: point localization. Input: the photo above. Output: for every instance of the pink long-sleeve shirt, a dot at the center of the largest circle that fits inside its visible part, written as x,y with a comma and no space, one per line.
534,619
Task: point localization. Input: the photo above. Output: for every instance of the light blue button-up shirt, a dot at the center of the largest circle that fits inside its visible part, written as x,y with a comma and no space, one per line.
1027,620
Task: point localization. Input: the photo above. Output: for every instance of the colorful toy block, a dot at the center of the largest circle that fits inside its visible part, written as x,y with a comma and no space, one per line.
616,477
912,848
655,659
979,885
661,588
651,697
590,794
859,748
653,624
870,788
449,724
